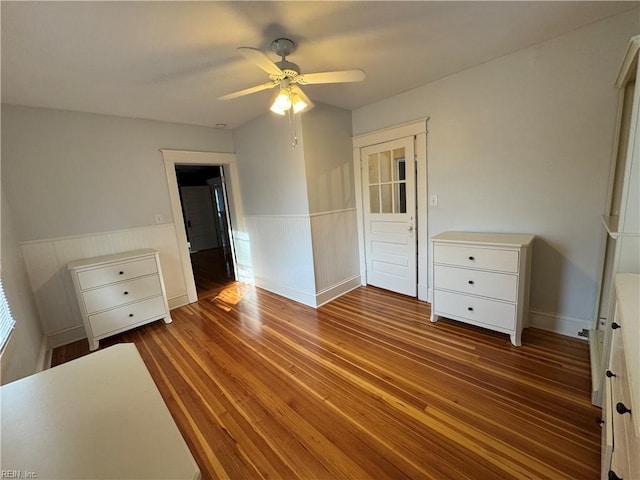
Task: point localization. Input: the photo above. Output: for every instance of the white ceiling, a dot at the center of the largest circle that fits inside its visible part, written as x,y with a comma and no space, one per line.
171,60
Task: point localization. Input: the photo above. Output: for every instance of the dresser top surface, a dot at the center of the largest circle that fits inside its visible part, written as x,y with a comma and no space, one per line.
116,257
498,239
100,416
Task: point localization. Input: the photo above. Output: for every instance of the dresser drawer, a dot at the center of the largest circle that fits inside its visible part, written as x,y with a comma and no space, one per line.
475,282
606,449
473,257
121,293
626,442
122,317
116,273
476,310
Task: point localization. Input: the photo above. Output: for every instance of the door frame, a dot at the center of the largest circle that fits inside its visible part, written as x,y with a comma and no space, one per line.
172,158
418,130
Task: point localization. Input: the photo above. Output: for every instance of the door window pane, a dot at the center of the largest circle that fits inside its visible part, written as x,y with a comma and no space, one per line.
400,195
399,165
373,168
374,199
386,198
385,166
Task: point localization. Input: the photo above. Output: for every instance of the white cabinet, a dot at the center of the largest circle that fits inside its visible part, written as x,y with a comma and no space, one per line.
119,292
621,399
482,279
621,253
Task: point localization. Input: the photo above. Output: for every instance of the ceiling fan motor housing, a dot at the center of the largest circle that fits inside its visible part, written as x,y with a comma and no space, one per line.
290,69
283,47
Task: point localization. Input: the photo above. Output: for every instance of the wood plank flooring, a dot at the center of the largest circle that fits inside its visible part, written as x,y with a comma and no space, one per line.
366,387
210,271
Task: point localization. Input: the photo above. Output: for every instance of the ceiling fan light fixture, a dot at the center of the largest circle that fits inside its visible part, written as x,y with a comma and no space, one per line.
299,105
286,75
281,103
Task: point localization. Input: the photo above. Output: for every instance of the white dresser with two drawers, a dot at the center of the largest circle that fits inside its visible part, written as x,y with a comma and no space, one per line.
482,279
119,292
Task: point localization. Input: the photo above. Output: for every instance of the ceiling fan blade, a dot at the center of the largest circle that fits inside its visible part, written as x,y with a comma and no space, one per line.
261,60
343,76
247,91
297,90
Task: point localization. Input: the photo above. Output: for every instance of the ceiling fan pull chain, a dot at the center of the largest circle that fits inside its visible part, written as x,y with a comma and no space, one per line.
294,135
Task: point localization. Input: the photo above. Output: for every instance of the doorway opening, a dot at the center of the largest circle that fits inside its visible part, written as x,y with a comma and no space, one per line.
204,206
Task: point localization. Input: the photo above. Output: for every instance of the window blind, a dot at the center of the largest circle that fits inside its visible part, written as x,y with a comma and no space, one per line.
6,319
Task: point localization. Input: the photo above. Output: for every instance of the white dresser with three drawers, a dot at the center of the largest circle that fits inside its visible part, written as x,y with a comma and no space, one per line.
482,279
621,400
119,292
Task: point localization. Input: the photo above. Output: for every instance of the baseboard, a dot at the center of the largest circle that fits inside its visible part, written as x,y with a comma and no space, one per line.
336,291
305,298
64,337
44,356
553,322
178,301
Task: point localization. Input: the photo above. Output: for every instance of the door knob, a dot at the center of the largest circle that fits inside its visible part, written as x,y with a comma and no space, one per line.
410,228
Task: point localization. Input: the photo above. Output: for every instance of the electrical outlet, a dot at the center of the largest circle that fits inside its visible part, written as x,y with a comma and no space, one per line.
158,218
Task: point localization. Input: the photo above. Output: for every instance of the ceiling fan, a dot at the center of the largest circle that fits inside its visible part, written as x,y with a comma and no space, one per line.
288,77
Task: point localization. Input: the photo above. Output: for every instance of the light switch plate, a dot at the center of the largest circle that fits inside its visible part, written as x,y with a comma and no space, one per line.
433,200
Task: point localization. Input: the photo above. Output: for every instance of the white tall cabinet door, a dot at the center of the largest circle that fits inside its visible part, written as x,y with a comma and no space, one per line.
389,204
198,215
622,215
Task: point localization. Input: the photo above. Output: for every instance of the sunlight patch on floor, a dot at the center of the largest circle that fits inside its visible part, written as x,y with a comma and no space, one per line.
231,296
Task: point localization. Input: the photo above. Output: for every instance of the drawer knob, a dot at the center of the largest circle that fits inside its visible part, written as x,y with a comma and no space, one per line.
613,476
470,309
131,314
470,282
471,258
126,293
615,325
609,374
621,408
121,273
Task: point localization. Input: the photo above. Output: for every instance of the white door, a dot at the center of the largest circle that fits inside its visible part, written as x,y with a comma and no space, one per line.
219,194
198,215
389,202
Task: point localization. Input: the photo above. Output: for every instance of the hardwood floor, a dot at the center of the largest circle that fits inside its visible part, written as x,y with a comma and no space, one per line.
210,271
366,387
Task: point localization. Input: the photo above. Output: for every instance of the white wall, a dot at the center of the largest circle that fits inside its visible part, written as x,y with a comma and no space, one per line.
271,173
299,204
84,184
274,199
24,351
69,173
523,144
328,158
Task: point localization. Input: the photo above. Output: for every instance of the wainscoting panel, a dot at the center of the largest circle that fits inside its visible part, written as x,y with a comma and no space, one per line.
282,255
46,262
335,248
